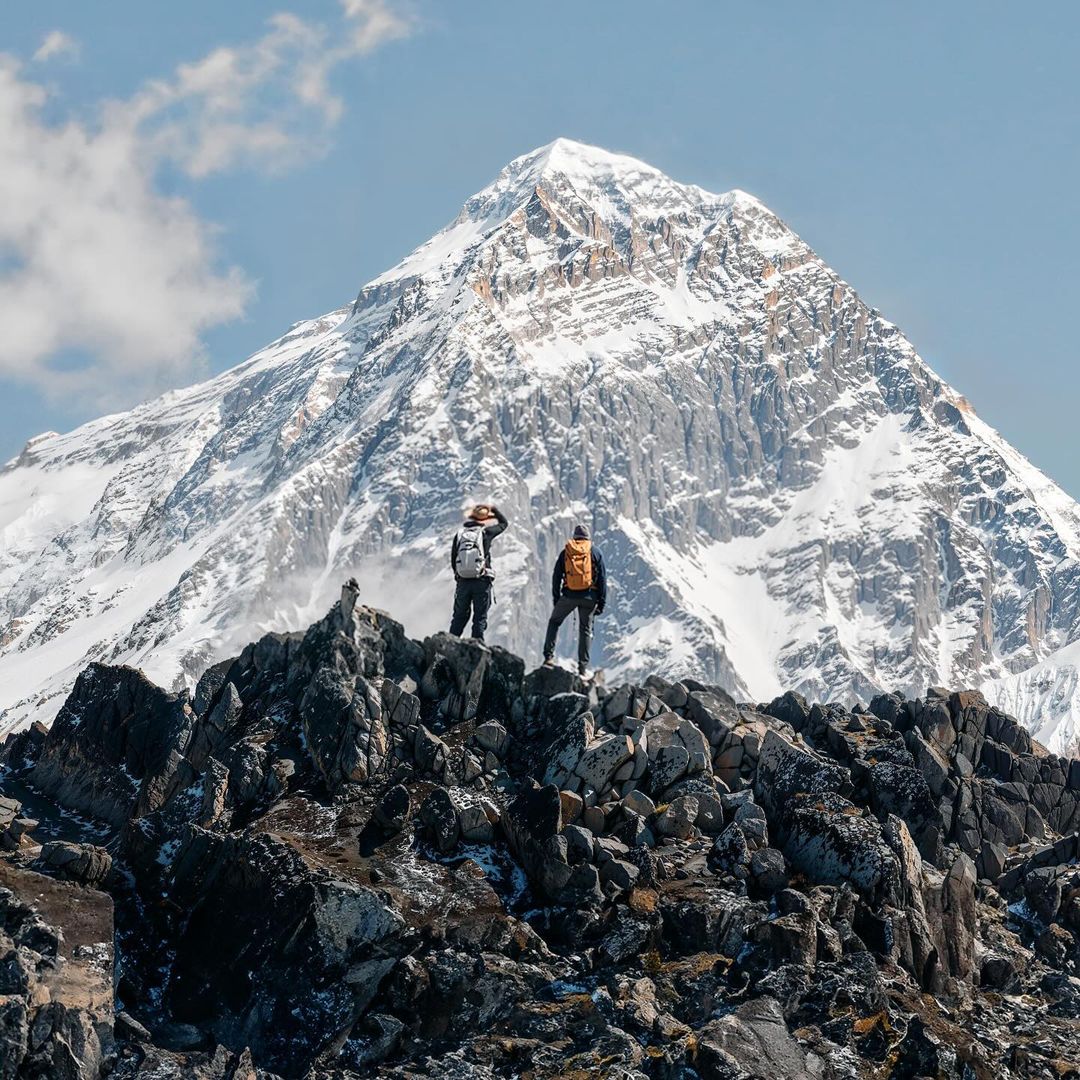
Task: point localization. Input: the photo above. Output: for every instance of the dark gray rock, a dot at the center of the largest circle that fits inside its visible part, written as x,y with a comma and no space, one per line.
84,863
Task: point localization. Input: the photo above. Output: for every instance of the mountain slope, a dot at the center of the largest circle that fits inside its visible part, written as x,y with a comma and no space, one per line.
786,494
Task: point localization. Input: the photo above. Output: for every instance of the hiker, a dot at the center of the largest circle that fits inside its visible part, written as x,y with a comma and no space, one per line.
470,557
579,583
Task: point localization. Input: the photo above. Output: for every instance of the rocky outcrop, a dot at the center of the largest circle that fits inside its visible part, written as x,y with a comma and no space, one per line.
352,854
56,971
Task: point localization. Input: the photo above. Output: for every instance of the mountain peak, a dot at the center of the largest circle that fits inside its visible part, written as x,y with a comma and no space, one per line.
617,188
588,340
568,157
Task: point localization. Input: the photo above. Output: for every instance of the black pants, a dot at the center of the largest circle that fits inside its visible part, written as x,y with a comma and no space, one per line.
585,606
471,594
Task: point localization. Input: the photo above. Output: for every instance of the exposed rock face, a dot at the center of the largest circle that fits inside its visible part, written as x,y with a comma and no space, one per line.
786,495
352,855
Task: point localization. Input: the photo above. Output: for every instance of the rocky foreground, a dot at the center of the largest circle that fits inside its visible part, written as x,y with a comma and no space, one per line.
354,854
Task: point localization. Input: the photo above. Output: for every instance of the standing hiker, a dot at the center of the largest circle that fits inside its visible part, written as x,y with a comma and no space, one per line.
579,583
470,557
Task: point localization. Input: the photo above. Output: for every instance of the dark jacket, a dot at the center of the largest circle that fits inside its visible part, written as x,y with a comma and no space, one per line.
598,589
490,532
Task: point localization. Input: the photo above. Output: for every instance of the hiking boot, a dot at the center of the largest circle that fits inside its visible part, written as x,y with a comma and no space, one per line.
583,672
549,661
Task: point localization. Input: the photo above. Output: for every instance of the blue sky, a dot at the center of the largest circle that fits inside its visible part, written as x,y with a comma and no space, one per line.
929,152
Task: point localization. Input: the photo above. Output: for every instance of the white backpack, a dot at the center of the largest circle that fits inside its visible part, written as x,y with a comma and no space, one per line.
470,561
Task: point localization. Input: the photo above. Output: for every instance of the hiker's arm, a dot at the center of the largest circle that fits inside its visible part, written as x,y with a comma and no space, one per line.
453,555
557,577
601,584
500,523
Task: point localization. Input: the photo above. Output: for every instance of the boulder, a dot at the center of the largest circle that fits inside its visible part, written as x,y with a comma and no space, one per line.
678,818
492,736
439,819
832,842
84,863
393,809
532,823
754,1041
730,854
768,871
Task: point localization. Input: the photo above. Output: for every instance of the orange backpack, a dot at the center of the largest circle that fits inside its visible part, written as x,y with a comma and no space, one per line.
577,565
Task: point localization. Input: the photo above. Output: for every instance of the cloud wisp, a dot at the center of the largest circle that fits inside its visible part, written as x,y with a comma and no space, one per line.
107,284
56,43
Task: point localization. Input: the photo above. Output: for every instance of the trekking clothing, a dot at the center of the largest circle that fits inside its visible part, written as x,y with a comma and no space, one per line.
471,594
578,583
470,559
487,534
597,588
586,607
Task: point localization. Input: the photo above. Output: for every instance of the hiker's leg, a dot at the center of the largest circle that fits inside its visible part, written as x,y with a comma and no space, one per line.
462,603
586,609
480,605
563,606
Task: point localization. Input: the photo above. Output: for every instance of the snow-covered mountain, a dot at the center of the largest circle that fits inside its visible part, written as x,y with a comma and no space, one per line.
787,496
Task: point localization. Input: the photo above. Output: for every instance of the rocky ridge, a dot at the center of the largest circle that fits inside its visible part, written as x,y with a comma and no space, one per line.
352,853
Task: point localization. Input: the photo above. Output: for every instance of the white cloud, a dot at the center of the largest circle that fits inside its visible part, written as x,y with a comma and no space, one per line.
106,283
56,43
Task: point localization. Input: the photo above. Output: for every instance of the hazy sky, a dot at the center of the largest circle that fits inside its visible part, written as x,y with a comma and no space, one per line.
179,183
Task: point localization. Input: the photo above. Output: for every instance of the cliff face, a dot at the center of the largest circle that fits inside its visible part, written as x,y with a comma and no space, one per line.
786,495
353,853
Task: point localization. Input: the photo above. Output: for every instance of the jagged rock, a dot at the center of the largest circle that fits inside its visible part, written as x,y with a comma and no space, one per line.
344,728
432,754
785,771
9,811
668,765
532,824
999,973
602,759
710,815
751,819
454,671
831,842
579,844
17,830
572,805
768,871
115,743
620,873
477,822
